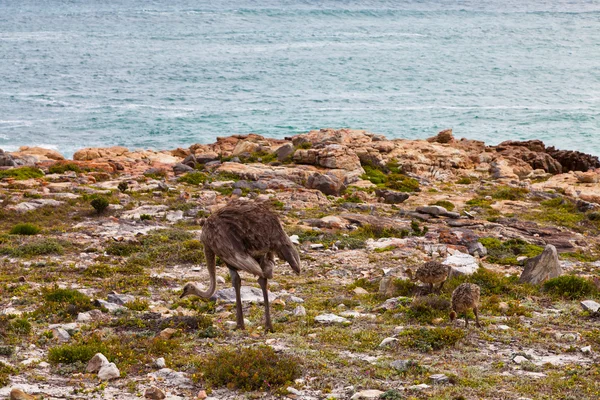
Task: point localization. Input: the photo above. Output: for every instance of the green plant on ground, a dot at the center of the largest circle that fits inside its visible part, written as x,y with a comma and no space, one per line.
403,183
464,180
61,168
123,186
25,229
193,178
35,248
5,371
570,287
392,394
506,253
444,203
416,229
394,180
425,339
138,305
250,369
145,217
305,145
560,211
21,173
509,193
425,309
100,204
99,271
62,304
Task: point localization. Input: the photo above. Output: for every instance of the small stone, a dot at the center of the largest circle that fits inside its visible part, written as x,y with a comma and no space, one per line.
294,391
403,365
503,306
437,321
109,372
295,239
520,359
230,324
295,299
61,334
317,246
154,393
160,362
202,395
439,379
97,362
220,279
422,386
388,342
300,311
18,394
167,333
330,318
360,291
590,305
503,327
367,394
586,350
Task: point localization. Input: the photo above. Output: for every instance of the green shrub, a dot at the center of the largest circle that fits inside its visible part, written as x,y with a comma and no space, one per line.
21,173
20,326
98,271
464,180
403,183
404,287
570,287
425,340
122,249
374,175
368,285
392,394
509,193
7,351
305,145
506,253
193,178
100,204
123,186
25,229
5,371
36,248
138,305
250,369
62,304
145,217
61,168
444,203
427,308
71,353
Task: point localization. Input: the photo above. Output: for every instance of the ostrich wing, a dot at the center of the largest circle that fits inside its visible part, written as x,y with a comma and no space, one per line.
230,247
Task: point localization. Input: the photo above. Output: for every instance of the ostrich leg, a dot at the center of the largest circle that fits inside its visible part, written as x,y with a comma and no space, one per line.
476,317
263,284
237,284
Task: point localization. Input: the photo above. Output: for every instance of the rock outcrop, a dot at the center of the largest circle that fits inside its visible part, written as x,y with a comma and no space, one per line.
541,268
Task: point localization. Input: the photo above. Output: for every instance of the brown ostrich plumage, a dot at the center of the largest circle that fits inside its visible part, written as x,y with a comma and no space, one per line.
433,272
246,235
464,298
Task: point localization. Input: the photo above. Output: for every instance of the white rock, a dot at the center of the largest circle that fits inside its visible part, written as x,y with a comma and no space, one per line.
293,390
96,363
586,350
160,362
317,246
331,318
295,299
590,305
367,394
295,239
387,342
108,372
422,386
439,379
462,263
520,359
300,311
503,327
61,334
29,361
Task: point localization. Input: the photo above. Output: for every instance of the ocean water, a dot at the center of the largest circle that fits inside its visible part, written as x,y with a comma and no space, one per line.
165,74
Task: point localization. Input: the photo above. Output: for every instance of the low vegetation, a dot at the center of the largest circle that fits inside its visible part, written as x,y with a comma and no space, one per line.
430,339
250,369
25,229
21,173
506,252
570,287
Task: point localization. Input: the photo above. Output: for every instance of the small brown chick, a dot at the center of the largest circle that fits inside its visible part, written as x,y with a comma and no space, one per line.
464,298
432,272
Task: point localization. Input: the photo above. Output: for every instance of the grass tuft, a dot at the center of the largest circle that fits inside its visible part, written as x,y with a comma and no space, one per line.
25,229
570,287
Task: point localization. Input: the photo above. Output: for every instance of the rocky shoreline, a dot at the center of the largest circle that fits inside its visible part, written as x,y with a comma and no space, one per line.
363,209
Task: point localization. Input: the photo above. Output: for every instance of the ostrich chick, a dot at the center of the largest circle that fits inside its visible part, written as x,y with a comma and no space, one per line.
246,236
431,272
464,298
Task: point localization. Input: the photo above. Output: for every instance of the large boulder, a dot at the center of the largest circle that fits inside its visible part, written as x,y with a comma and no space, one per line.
444,136
6,160
38,153
327,184
91,153
574,160
332,156
533,152
541,268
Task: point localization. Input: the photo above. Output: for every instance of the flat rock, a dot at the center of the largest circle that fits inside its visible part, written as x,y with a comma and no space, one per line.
590,305
439,379
172,378
331,319
111,307
248,295
462,263
35,204
154,211
108,372
119,299
154,393
367,394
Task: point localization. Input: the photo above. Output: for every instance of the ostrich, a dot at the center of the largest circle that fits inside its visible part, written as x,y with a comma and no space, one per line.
465,297
431,272
246,236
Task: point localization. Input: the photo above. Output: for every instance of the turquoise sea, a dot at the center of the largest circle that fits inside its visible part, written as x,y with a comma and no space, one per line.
165,74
